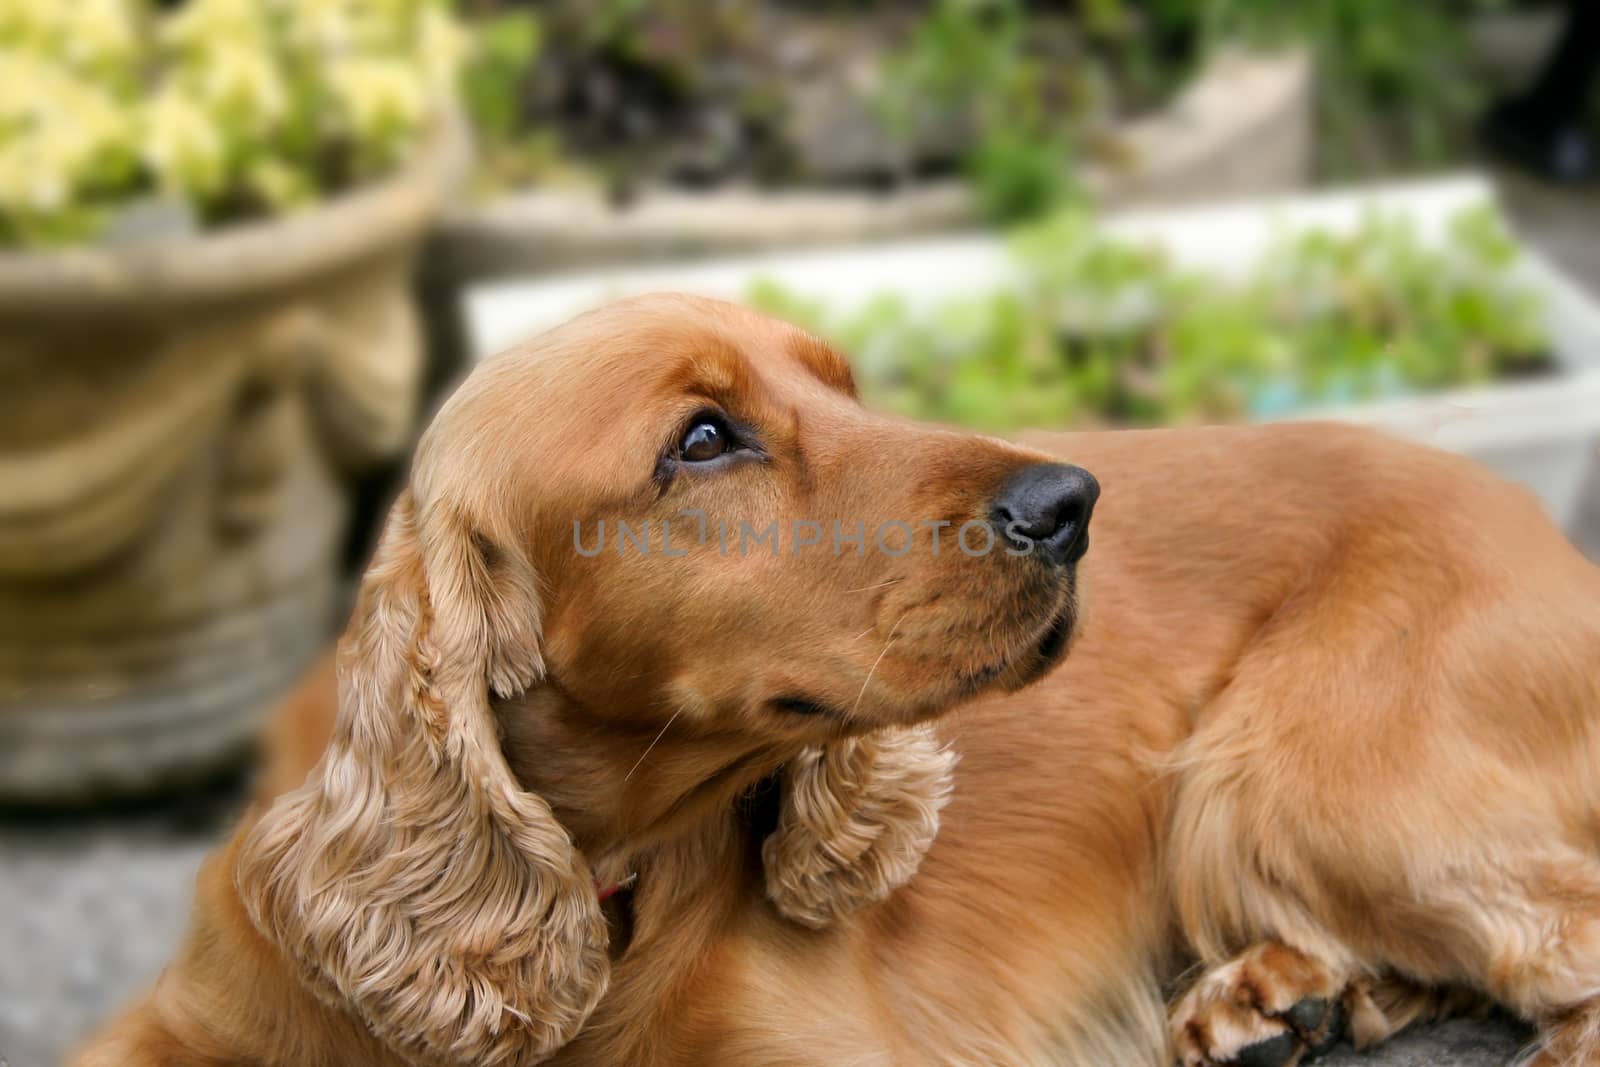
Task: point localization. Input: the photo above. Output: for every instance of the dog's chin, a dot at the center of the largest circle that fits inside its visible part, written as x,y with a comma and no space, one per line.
1049,650
1037,651
1037,647
1047,647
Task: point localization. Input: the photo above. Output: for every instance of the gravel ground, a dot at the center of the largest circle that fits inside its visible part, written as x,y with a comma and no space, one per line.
90,908
1452,1044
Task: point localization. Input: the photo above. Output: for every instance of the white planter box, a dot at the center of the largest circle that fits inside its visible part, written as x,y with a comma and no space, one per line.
1541,433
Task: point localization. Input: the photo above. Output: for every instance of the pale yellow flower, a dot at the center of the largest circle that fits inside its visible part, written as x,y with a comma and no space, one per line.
69,126
378,98
80,128
29,184
242,82
29,23
443,45
327,27
279,184
99,34
202,25
181,146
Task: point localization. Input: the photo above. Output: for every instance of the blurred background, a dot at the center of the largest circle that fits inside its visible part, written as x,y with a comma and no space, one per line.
247,245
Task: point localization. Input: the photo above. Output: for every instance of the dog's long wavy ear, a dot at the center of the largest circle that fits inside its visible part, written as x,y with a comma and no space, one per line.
855,820
411,880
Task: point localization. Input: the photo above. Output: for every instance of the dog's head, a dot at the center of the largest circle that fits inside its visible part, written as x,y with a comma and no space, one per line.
669,520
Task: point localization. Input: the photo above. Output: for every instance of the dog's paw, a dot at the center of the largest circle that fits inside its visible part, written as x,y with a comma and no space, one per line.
1271,1007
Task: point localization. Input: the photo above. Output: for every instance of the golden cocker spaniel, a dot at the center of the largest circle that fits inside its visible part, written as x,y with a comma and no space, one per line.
692,714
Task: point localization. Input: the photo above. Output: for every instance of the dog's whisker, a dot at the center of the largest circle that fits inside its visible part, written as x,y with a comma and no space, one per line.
659,735
868,680
874,668
880,585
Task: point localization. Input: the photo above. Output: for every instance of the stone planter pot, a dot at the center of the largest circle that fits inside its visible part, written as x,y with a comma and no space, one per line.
1542,433
1242,128
177,423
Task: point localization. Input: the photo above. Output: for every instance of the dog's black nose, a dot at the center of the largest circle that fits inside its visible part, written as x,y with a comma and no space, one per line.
1045,508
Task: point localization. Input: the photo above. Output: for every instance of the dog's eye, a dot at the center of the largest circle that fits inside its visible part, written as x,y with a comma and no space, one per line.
705,440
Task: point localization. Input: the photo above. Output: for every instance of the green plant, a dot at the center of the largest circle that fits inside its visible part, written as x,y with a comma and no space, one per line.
504,47
609,91
967,67
1104,331
627,91
510,152
227,108
1394,77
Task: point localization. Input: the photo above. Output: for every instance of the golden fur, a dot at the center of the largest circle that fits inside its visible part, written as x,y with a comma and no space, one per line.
1327,731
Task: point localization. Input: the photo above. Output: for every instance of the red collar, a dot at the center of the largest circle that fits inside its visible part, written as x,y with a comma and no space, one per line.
606,892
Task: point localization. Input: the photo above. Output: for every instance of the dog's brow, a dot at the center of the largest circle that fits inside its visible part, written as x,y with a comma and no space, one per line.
823,361
797,451
715,367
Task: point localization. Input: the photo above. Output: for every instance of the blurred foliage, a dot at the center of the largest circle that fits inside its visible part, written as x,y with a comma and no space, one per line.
1106,331
617,88
219,109
967,67
1395,84
703,91
505,46
1012,93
